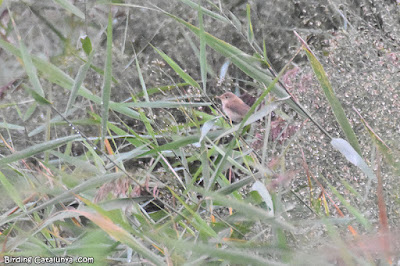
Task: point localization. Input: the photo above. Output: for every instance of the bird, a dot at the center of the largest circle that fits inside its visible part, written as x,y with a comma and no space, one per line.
233,106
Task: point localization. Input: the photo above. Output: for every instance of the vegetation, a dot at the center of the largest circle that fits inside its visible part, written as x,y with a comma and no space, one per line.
121,154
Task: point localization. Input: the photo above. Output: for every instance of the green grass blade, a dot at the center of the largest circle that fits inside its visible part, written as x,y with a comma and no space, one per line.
205,11
247,210
106,90
77,162
236,163
29,112
98,70
78,81
235,21
200,223
11,126
58,120
166,88
360,218
66,4
38,98
182,142
142,83
30,69
148,126
11,191
389,156
203,55
144,89
265,56
35,149
250,33
332,99
178,69
165,104
235,186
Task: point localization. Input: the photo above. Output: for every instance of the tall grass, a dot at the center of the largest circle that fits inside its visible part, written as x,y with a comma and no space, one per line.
175,193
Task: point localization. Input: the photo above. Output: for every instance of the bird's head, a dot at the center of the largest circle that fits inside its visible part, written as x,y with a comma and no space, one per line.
227,96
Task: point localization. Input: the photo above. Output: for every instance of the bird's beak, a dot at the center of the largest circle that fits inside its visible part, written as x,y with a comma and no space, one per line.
218,97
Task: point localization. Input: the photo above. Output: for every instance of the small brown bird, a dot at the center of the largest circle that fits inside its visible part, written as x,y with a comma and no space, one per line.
233,106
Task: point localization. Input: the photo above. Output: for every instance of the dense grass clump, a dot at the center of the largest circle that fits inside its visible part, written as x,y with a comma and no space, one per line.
114,149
